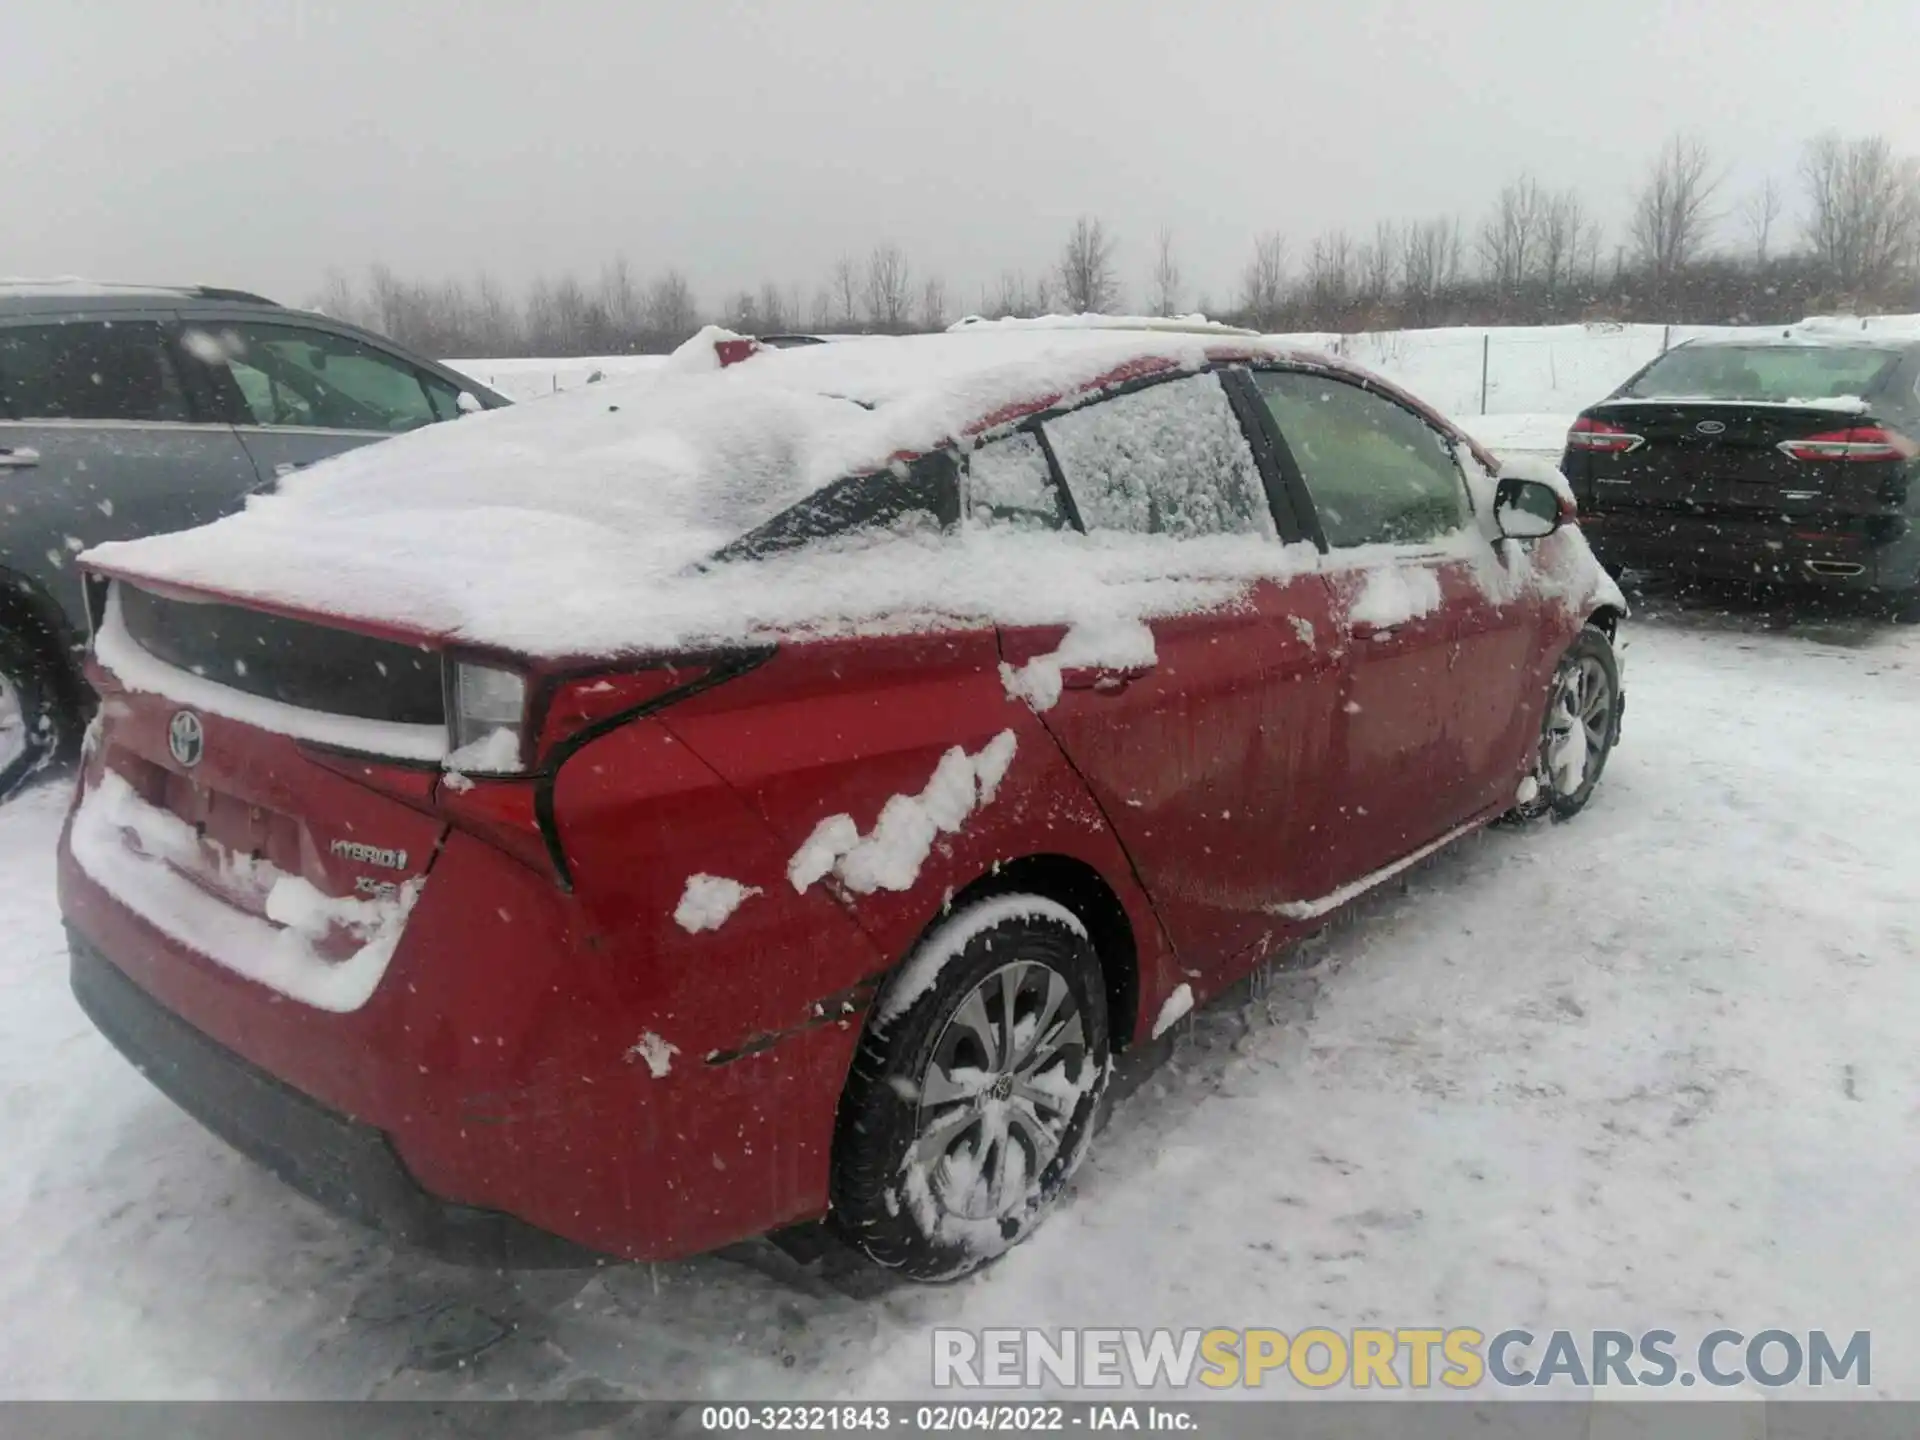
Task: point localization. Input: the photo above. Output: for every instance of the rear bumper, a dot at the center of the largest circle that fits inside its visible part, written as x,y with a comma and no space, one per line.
346,1166
1750,552
496,1071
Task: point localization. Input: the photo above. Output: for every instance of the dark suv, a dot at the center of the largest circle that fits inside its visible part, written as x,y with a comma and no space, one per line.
130,410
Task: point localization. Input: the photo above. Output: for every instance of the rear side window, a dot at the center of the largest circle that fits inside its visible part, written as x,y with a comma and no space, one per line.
924,500
1009,483
314,379
1777,373
89,370
1378,473
1167,460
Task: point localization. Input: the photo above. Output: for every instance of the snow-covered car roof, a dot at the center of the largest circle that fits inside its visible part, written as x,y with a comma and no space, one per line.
1161,324
569,527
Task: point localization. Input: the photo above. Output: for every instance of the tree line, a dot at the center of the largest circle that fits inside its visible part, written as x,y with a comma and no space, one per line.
1841,235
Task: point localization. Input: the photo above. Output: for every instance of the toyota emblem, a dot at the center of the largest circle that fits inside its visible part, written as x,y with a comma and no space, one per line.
1711,427
185,738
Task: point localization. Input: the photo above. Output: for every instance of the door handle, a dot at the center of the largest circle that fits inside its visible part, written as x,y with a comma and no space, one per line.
18,458
287,467
1105,680
1365,630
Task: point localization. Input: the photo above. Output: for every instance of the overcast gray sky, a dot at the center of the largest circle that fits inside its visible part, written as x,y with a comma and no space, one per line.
259,143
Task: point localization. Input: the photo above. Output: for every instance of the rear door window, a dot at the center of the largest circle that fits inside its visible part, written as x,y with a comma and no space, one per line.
314,379
1167,460
1377,473
89,370
1010,484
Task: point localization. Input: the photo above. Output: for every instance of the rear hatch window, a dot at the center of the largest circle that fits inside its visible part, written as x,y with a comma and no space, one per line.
336,672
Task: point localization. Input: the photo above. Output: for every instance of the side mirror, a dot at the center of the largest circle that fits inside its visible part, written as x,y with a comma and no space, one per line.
1526,509
467,403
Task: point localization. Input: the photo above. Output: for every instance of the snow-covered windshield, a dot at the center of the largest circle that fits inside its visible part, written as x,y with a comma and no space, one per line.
1775,374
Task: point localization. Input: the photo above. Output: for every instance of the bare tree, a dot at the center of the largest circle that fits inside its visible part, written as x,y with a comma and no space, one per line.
620,300
1758,211
933,304
1011,296
672,315
845,287
1377,265
1509,240
1163,281
338,298
1673,212
576,322
776,314
1330,277
888,293
1430,257
1263,284
496,320
1863,205
1592,239
741,313
1087,281
1564,231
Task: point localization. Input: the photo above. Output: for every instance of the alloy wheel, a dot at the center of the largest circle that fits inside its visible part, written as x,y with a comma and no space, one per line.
1000,1091
1579,726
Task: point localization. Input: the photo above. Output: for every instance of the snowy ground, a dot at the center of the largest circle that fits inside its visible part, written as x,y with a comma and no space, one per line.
529,378
1655,1067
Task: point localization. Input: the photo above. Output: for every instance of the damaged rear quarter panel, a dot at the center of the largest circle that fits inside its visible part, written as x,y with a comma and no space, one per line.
839,727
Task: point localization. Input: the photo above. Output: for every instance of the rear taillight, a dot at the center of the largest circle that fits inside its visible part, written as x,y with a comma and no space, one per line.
1859,443
582,705
1597,437
513,733
739,347
486,719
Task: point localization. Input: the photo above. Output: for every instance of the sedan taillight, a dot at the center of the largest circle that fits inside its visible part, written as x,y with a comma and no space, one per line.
1597,437
512,731
1856,444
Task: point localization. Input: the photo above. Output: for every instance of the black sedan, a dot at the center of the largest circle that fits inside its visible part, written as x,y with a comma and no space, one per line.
1789,461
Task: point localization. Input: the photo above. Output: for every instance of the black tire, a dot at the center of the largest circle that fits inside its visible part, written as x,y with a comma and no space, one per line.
1563,785
937,1185
33,732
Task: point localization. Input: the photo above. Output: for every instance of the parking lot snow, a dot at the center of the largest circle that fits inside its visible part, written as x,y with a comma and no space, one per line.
1651,1068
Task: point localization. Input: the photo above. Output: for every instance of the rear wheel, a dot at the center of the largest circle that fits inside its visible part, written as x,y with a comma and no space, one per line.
30,728
1578,731
973,1095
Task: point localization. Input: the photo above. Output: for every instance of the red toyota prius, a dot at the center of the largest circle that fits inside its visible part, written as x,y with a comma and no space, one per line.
774,789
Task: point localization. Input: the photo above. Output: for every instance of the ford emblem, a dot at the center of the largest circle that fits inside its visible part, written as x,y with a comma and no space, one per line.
1711,427
185,738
